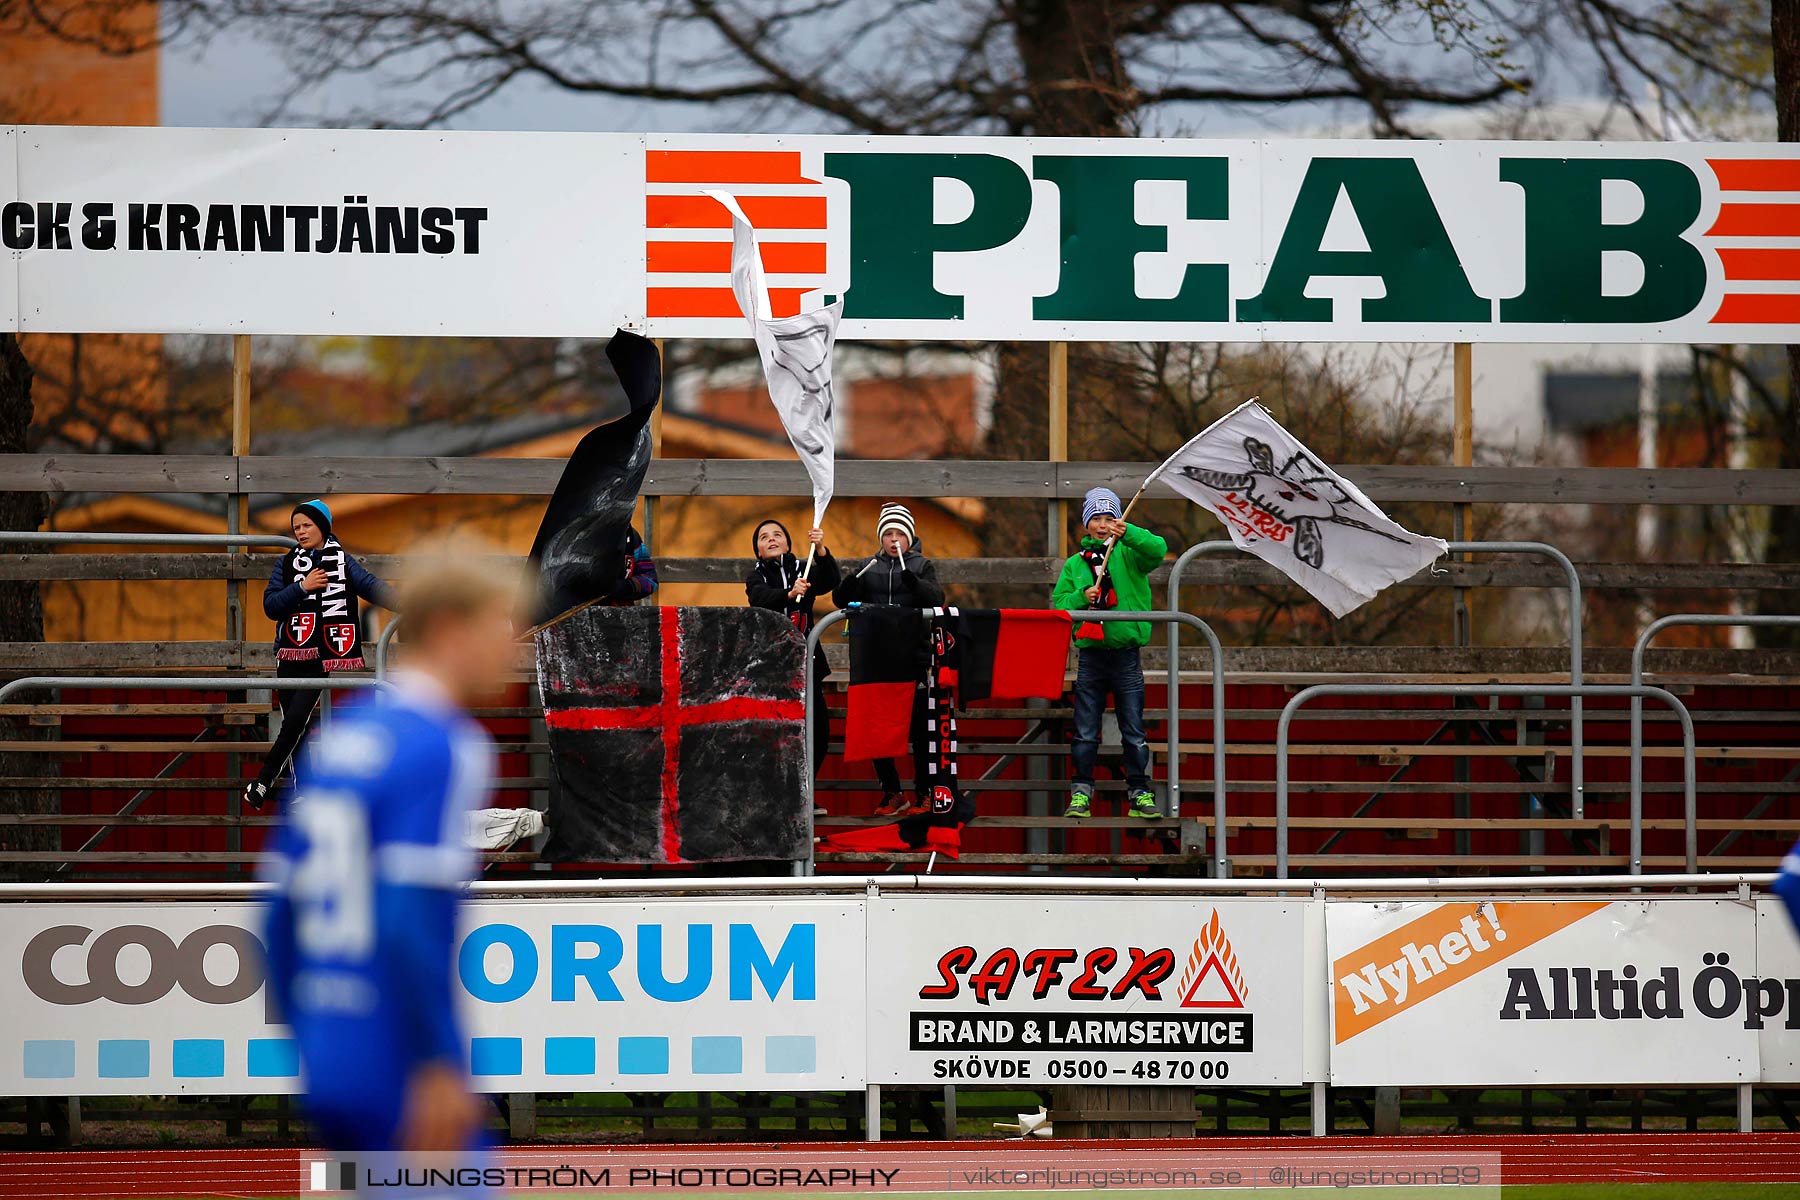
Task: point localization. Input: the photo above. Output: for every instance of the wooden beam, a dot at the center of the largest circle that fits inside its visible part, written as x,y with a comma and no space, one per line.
158,564
1057,540
163,474
1401,663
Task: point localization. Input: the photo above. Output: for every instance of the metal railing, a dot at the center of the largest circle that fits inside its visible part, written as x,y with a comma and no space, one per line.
1420,885
1080,616
1571,691
1637,678
381,645
227,683
1541,549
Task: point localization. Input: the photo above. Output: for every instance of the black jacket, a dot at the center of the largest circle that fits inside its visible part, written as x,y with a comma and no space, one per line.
282,596
910,581
771,579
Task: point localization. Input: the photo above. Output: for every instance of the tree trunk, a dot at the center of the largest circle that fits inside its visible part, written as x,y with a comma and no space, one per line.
1784,522
21,620
1077,87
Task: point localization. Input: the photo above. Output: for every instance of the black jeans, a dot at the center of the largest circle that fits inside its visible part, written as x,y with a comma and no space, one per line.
296,715
889,774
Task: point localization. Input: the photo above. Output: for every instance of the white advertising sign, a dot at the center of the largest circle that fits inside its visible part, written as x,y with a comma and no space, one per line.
589,995
1537,992
572,234
1086,990
1776,996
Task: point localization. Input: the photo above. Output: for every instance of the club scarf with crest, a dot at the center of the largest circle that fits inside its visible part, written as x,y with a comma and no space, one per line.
326,624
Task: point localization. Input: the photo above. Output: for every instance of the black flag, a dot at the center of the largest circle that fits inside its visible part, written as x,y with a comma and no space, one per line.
577,553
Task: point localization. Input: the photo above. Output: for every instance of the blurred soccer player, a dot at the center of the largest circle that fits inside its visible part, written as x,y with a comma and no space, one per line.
1787,884
368,869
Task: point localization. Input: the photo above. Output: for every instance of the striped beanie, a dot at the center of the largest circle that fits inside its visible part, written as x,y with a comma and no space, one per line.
894,516
1099,501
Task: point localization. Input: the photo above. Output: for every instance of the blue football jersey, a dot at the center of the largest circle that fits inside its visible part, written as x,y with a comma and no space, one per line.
367,871
1787,884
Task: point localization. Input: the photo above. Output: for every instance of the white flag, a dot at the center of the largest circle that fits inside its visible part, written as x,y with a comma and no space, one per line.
796,358
1286,507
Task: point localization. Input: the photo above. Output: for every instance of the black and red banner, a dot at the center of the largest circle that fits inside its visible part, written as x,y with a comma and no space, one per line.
1013,653
677,735
889,656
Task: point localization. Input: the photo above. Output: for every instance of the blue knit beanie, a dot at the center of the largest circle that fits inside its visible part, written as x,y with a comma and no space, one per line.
1098,501
317,512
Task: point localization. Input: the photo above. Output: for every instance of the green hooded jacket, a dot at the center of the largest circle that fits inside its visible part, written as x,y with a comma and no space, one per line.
1139,552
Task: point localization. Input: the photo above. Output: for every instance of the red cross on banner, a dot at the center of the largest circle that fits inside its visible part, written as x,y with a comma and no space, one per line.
676,734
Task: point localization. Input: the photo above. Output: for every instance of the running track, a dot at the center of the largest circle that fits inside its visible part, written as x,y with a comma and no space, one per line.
943,1166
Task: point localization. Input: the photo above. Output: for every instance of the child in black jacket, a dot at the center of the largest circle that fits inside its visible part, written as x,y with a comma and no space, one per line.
776,583
901,575
312,597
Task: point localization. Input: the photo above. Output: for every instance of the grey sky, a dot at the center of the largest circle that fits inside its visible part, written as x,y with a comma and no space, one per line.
236,80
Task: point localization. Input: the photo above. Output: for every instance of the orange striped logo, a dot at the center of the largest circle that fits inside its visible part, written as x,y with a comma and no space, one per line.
688,252
1748,220
1450,943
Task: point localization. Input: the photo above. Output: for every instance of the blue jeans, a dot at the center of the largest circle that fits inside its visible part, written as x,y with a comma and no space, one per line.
1100,671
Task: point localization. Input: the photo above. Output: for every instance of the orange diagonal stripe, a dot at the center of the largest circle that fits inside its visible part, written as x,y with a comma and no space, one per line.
1758,309
765,212
1760,263
714,302
779,258
1757,174
723,166
1435,939
1757,220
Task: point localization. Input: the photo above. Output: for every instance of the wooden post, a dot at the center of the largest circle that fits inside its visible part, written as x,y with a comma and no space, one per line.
1057,541
656,430
237,512
1462,453
237,520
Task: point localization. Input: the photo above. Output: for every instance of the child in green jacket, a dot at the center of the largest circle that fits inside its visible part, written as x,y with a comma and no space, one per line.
1110,663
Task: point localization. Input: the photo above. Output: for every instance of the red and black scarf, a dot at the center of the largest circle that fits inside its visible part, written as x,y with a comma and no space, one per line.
325,626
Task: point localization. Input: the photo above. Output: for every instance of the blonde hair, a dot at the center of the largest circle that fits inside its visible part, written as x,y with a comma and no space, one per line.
458,582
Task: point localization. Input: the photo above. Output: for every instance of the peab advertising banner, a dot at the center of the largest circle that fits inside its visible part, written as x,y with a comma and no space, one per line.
153,998
537,234
1054,990
1674,990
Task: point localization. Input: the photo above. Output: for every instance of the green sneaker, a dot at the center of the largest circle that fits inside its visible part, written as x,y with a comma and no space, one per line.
1078,806
1143,804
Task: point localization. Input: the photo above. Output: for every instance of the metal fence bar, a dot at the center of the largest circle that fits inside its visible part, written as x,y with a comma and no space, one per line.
1221,863
229,683
1078,617
55,537
1424,885
381,646
1637,704
1541,549
1486,689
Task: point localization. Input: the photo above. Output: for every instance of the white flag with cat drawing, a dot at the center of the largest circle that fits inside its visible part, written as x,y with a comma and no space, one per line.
1282,504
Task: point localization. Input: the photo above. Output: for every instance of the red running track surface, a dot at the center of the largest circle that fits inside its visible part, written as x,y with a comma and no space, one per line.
963,1166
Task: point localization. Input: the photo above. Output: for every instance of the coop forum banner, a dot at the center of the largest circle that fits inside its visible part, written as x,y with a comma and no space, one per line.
536,234
159,998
